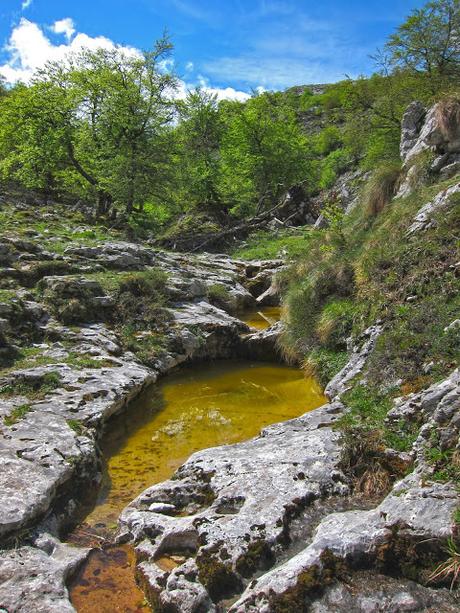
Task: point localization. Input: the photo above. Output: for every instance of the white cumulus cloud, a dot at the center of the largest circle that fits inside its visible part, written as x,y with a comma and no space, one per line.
25,5
29,49
64,26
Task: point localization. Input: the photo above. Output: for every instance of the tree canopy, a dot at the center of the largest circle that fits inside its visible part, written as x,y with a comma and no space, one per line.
107,126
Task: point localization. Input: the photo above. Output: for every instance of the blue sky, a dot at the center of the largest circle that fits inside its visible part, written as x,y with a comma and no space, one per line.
231,45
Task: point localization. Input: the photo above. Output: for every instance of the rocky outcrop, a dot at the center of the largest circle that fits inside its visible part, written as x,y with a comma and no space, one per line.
245,527
426,216
435,131
54,413
228,515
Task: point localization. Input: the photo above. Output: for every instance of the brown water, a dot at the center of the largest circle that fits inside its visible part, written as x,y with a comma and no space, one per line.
195,408
262,318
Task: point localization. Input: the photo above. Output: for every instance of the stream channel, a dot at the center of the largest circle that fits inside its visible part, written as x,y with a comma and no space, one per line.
195,407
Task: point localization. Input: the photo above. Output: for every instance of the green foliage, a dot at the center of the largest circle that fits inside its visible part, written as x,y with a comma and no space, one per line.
94,125
334,164
199,136
263,152
427,41
324,364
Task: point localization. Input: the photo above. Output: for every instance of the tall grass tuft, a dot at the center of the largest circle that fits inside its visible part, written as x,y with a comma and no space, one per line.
381,188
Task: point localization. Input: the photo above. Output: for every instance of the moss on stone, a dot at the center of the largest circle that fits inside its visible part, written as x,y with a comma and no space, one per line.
218,578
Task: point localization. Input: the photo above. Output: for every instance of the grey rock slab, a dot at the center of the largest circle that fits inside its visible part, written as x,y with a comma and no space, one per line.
33,578
228,498
366,592
38,455
420,514
356,362
443,201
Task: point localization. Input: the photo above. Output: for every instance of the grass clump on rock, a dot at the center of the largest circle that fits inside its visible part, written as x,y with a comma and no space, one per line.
17,414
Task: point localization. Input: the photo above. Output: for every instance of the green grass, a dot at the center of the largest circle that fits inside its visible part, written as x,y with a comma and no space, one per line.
219,294
368,408
267,245
76,425
324,364
17,414
7,294
85,361
33,389
368,265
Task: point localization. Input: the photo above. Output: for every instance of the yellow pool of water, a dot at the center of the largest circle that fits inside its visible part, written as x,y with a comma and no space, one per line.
197,407
262,318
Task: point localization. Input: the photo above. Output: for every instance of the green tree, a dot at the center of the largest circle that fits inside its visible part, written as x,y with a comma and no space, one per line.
199,135
32,147
428,41
264,152
96,123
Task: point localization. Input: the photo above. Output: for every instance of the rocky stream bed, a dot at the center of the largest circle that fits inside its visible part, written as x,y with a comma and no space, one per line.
270,524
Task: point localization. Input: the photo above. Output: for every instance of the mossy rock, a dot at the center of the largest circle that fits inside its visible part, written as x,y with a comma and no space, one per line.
218,578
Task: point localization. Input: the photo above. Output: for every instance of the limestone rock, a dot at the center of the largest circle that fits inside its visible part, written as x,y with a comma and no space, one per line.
411,126
33,578
233,501
425,217
357,359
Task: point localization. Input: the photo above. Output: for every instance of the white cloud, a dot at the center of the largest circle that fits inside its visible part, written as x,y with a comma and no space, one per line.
189,66
29,49
64,26
222,93
25,5
275,72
